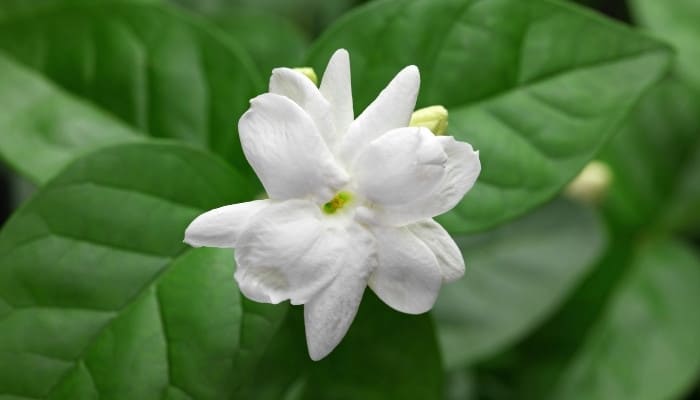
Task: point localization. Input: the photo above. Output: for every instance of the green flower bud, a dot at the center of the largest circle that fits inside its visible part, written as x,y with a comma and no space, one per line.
433,118
309,73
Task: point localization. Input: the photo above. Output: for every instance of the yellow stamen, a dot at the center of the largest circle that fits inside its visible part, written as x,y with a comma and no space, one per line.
337,202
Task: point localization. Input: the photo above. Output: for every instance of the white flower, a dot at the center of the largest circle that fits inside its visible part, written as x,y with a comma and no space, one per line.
350,203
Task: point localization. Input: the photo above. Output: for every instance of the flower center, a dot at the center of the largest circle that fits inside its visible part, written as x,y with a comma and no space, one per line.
337,202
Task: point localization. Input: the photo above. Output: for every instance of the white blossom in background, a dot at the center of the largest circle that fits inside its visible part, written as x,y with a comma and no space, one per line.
350,202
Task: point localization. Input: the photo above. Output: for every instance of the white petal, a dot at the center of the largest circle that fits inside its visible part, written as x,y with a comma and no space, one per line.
282,254
286,151
328,316
290,251
297,87
390,110
222,226
407,277
462,169
337,89
448,255
400,166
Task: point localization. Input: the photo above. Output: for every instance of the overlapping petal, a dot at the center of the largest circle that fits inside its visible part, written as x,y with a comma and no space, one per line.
407,277
298,88
448,255
390,110
336,88
282,144
289,251
400,166
461,170
221,227
328,316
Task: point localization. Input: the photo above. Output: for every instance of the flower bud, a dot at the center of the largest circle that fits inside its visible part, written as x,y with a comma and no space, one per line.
309,73
433,118
591,185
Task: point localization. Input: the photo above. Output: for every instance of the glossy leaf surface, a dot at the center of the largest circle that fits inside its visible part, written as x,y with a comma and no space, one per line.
522,84
500,298
99,297
153,67
43,128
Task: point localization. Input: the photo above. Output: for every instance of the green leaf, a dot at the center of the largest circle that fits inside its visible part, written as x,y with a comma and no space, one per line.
14,7
99,297
386,355
645,344
461,385
528,83
677,22
272,41
656,161
629,332
312,15
516,276
42,128
155,69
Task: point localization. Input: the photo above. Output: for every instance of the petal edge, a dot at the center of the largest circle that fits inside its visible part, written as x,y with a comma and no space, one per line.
336,87
282,144
462,169
221,227
448,255
407,277
390,110
329,315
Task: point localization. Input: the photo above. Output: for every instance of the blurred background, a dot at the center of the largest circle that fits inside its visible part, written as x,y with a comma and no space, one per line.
525,362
